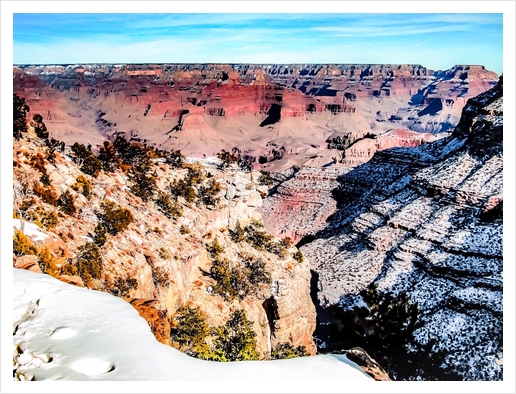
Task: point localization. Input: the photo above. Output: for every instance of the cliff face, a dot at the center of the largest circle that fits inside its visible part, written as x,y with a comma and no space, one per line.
427,223
278,112
160,264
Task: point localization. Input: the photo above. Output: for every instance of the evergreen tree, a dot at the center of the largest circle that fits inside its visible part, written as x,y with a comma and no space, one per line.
20,111
39,126
236,339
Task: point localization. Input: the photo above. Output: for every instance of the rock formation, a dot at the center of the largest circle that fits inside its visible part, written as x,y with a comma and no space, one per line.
158,264
285,114
427,222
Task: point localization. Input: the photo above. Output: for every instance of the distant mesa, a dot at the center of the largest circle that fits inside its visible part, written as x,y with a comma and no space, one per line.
251,107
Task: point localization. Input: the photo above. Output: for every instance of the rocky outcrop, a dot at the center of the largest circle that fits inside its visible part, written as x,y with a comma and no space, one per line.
159,264
301,204
278,112
427,223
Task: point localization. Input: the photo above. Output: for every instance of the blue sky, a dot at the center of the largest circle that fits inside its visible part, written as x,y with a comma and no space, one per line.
437,41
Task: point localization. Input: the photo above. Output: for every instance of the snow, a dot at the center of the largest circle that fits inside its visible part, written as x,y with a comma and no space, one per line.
30,230
71,333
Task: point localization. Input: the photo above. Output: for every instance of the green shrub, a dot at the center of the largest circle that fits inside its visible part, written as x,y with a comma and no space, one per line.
89,163
195,174
287,242
122,286
298,256
207,194
286,350
189,331
46,262
37,162
256,274
108,157
52,145
237,280
225,277
184,229
45,179
46,193
164,254
215,249
235,340
83,186
238,234
181,188
47,219
226,159
176,159
99,237
265,179
89,262
167,206
115,218
66,203
22,245
144,183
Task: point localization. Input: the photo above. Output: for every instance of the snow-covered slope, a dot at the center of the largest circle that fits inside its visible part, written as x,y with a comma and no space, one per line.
63,332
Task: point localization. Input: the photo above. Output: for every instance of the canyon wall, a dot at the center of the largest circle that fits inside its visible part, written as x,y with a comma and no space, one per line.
284,114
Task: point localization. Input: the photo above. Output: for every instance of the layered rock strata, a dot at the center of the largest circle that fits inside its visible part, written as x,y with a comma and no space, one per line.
273,112
158,264
427,222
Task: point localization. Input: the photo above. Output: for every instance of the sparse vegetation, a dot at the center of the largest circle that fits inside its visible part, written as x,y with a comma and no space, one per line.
184,229
256,235
43,218
83,186
286,350
100,235
265,179
207,194
176,159
22,245
52,146
167,206
46,193
47,263
122,286
233,341
88,163
298,256
108,157
189,332
195,174
89,262
20,111
164,254
181,188
215,249
236,280
227,159
39,127
66,203
115,218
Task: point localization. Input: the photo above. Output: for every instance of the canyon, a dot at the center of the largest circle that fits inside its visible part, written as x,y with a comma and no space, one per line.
422,224
274,116
384,175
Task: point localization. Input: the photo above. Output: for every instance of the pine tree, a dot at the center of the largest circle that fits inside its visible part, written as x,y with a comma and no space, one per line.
39,127
236,339
20,111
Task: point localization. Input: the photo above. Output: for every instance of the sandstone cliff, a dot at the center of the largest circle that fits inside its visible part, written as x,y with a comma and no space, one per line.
272,113
424,225
159,264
